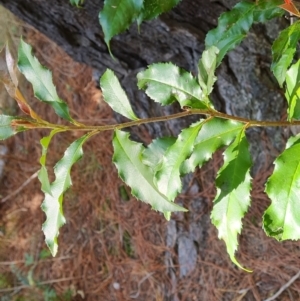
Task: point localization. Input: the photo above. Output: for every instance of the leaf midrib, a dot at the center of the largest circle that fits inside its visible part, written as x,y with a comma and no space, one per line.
142,173
32,61
216,136
68,170
176,166
241,16
232,186
180,89
128,111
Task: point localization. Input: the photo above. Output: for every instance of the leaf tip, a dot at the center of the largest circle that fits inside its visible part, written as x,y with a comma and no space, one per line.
234,260
167,215
53,247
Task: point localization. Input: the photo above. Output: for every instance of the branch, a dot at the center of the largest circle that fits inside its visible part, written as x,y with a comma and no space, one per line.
210,113
284,287
33,176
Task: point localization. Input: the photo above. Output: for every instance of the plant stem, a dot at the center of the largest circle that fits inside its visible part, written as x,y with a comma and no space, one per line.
187,112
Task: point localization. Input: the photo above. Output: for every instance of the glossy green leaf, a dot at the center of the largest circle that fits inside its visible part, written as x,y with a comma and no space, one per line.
166,83
206,69
41,80
117,15
292,92
52,205
233,193
282,218
234,25
214,134
283,50
168,176
115,96
232,28
128,160
153,155
43,173
152,8
266,10
77,3
6,129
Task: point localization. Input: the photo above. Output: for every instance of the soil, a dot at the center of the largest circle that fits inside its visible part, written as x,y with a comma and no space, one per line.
113,247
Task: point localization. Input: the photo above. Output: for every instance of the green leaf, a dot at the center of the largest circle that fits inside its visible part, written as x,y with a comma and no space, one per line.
266,10
52,205
234,25
166,83
6,129
206,67
152,8
128,160
117,15
292,92
77,3
214,134
115,96
283,50
233,193
43,173
41,80
153,155
282,218
168,176
232,28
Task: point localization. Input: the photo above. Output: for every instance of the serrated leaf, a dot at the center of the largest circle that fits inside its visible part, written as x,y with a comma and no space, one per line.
214,134
232,28
41,80
292,92
6,129
233,193
128,160
266,10
153,8
77,3
153,155
166,83
168,176
282,218
117,15
234,25
52,205
115,96
43,173
283,50
206,69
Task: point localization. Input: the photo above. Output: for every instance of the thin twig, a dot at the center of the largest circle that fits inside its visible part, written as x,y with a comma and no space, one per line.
32,124
21,187
134,296
284,287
